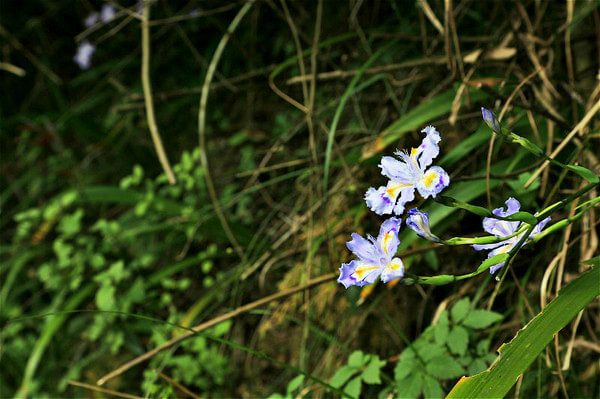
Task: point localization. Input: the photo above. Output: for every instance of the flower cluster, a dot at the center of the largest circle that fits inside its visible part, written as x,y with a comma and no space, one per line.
85,49
408,174
503,228
413,172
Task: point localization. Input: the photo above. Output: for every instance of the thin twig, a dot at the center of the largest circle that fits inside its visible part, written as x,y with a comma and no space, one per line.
215,321
177,385
202,124
158,146
103,390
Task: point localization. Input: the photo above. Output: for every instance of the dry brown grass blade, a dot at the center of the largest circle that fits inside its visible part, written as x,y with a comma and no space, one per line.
158,145
431,16
582,123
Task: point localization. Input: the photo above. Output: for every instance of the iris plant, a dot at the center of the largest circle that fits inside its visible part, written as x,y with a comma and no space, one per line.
503,228
375,257
408,174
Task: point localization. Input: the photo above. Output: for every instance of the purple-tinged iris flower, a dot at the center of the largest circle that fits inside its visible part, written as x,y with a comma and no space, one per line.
83,57
419,222
504,228
408,174
91,19
107,13
490,119
375,257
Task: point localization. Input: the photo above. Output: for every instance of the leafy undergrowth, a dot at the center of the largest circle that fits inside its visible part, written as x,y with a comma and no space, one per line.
104,260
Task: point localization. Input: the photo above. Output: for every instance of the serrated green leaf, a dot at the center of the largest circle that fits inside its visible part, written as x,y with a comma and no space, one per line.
410,387
440,333
353,387
404,367
356,359
342,375
431,388
481,318
460,309
371,374
458,339
444,367
430,351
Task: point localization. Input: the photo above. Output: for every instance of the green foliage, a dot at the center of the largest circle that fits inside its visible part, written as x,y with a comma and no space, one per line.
360,369
444,352
93,233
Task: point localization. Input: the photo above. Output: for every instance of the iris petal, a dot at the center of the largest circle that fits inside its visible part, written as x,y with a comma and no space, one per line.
394,271
395,169
362,248
429,148
433,182
388,236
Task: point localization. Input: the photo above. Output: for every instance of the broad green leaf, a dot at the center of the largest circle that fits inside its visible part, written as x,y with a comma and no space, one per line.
431,388
584,172
294,384
444,367
353,387
404,367
440,333
410,387
430,351
371,374
342,375
105,297
516,356
356,359
458,340
460,309
481,318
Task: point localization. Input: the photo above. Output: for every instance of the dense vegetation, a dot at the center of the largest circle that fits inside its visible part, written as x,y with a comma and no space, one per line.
273,116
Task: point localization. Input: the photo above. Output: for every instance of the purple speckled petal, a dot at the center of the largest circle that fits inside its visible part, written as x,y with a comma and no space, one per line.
387,239
483,247
379,200
395,169
498,251
346,271
433,182
419,222
429,148
363,249
407,194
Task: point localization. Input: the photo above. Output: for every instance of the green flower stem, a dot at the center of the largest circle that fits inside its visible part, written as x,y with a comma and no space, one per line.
565,222
481,211
481,240
562,203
